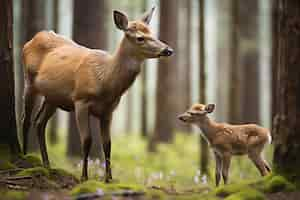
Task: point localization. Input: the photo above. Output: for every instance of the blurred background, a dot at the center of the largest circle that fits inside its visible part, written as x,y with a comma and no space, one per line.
222,56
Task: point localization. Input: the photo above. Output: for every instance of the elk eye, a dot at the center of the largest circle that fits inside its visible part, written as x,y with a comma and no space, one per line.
140,39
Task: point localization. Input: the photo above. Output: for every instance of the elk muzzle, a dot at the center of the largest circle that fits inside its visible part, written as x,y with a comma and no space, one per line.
168,51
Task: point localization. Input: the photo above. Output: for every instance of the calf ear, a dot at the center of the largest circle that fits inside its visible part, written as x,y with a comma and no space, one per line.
210,108
121,20
146,18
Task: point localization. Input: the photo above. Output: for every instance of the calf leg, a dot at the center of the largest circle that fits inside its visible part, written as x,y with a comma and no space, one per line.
226,159
44,114
82,120
105,122
218,169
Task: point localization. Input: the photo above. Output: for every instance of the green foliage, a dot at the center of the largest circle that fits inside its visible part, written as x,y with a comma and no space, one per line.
91,186
32,159
5,165
13,195
4,152
275,183
246,194
226,190
36,171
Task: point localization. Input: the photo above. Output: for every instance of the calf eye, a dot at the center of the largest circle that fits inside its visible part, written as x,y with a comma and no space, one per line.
140,39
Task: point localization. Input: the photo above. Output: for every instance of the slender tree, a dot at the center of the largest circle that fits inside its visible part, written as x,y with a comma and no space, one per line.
89,29
287,120
129,113
9,144
204,152
144,97
184,66
167,76
249,68
223,56
234,112
34,20
274,57
53,126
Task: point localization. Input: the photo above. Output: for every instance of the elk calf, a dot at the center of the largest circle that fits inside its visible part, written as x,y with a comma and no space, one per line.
227,140
83,80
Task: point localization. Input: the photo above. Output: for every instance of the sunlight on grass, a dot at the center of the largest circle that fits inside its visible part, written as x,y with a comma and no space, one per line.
174,166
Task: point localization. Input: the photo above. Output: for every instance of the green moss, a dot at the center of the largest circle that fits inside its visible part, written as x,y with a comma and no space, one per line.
5,165
277,183
36,171
91,186
13,195
4,152
60,172
226,190
33,159
246,194
155,194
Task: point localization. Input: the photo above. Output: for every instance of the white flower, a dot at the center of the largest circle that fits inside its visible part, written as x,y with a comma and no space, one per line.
204,179
172,173
196,179
99,192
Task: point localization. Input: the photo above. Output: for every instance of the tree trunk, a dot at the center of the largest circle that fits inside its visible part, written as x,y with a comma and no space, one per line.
184,62
129,111
204,152
144,102
274,58
8,129
223,61
89,29
250,86
73,146
34,20
287,121
166,98
234,112
144,85
53,125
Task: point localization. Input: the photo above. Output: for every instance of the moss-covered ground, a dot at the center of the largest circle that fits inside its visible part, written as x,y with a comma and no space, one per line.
170,173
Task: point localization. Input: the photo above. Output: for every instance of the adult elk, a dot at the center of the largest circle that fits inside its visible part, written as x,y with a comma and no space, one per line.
227,140
87,81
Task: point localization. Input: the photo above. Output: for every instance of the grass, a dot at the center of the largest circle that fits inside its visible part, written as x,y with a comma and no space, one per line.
175,167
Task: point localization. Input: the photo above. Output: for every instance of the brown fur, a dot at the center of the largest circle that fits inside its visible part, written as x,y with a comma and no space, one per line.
87,81
227,140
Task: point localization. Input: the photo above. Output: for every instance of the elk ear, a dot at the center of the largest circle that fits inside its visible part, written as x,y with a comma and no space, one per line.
210,108
146,18
121,20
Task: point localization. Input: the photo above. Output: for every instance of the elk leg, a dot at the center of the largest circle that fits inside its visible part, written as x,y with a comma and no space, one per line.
106,142
267,166
44,114
218,169
82,121
259,163
225,168
29,100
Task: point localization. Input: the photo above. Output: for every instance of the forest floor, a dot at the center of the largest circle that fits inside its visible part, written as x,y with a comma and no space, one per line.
170,173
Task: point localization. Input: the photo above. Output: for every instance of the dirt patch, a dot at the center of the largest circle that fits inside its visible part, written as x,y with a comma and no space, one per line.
284,196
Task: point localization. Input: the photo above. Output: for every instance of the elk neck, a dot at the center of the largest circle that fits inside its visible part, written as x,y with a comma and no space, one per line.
208,127
124,66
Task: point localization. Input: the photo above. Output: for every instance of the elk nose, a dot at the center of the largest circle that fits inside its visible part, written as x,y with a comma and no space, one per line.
182,117
166,52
